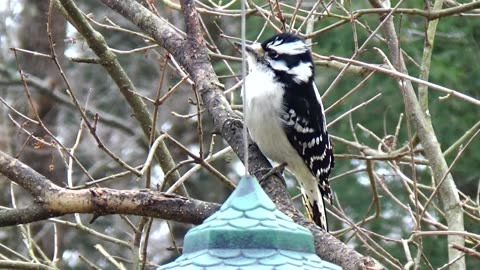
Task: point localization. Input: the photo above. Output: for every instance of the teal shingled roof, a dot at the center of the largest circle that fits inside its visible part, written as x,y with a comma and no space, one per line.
248,232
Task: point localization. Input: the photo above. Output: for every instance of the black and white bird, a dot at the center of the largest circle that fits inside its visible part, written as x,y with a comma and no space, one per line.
285,116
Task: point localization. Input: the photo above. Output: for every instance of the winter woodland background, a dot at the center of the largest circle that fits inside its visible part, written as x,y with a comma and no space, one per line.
79,99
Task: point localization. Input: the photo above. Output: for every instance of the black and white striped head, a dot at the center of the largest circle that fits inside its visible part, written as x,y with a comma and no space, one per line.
287,55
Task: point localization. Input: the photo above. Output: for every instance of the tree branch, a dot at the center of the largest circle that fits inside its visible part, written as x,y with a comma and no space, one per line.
448,191
111,64
53,201
43,87
430,15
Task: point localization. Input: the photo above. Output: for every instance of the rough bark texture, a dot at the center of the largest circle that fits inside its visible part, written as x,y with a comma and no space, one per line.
53,201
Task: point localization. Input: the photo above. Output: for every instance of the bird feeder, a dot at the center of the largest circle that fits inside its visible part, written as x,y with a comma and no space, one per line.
248,232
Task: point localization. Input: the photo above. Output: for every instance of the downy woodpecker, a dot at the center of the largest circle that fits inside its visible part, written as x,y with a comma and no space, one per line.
286,119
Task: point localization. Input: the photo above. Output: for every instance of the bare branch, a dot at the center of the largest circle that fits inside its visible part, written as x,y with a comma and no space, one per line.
110,62
52,200
448,191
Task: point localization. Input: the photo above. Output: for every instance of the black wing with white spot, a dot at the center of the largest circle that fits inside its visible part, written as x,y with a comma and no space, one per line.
306,130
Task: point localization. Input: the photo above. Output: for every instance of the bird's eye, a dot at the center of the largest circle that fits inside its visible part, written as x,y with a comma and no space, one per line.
272,54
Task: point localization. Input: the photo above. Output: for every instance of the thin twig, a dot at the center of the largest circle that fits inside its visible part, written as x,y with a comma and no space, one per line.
400,75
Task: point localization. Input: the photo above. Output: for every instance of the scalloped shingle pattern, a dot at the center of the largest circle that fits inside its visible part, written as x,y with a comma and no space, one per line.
249,259
248,232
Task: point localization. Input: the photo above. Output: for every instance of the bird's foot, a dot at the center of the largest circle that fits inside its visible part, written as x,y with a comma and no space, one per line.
277,169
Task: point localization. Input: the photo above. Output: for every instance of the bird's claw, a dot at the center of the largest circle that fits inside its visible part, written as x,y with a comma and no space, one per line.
277,169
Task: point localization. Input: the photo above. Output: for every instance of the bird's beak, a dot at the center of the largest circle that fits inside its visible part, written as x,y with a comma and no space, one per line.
254,49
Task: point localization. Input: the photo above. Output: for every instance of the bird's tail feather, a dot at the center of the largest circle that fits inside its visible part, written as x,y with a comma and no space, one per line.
315,207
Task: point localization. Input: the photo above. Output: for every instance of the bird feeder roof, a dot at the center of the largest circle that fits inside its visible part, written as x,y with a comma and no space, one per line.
248,232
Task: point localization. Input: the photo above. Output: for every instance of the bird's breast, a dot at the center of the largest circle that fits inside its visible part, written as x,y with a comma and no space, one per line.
264,99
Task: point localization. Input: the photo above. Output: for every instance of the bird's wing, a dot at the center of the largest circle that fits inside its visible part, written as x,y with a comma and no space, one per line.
306,131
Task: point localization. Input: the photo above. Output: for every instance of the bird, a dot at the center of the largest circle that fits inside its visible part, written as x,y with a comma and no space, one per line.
285,116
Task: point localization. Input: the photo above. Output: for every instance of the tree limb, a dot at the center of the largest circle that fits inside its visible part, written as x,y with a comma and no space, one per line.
53,201
448,191
43,87
111,64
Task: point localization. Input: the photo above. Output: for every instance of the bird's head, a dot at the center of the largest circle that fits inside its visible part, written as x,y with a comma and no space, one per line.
287,55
